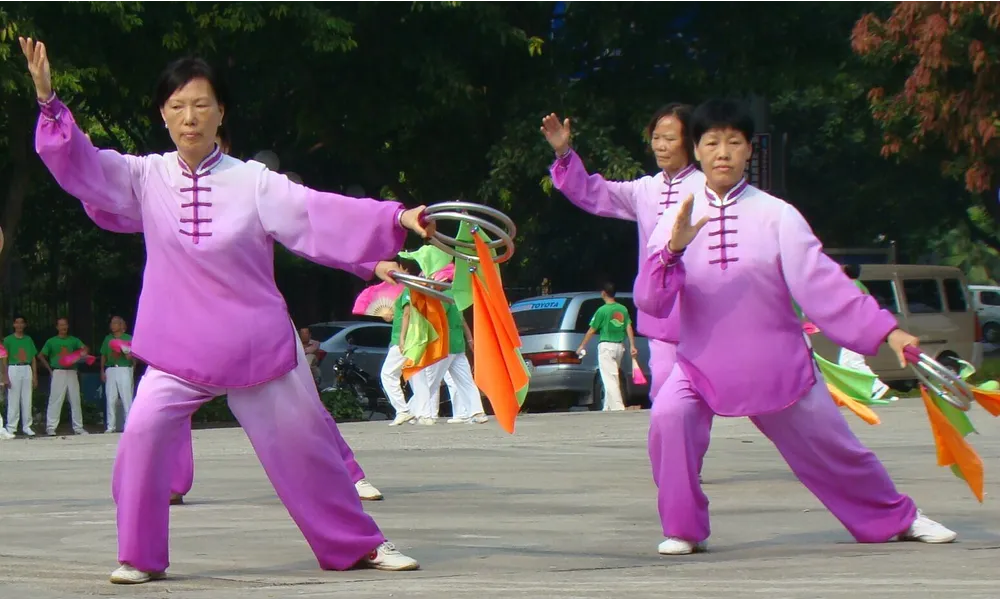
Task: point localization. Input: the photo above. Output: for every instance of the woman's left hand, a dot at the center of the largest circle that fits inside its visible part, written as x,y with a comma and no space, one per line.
410,219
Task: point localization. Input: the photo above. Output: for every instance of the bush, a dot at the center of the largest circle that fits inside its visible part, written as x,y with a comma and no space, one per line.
343,405
215,410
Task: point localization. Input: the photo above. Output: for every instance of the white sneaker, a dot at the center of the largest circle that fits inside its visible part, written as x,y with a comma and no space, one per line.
455,420
675,546
29,432
387,558
6,435
127,574
82,432
927,531
426,421
401,418
478,419
367,491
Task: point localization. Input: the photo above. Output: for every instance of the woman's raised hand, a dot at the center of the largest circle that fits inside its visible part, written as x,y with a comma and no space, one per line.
38,66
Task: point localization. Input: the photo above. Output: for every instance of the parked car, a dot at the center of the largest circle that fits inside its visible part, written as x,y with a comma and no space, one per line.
551,329
986,301
369,339
932,303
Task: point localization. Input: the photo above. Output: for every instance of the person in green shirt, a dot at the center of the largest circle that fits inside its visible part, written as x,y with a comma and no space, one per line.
613,323
20,370
64,379
466,401
392,367
117,372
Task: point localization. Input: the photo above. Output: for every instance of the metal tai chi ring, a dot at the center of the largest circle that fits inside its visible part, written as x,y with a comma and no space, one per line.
423,285
940,379
460,211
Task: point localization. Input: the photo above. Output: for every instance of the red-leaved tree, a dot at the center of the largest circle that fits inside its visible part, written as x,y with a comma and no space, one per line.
939,88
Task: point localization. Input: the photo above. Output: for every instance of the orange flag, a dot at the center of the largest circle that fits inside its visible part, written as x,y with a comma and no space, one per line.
492,359
495,294
952,449
990,401
433,311
867,414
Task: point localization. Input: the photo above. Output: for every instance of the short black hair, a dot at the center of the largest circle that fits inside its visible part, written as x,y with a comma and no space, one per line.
682,112
182,71
409,265
719,113
16,317
852,271
609,289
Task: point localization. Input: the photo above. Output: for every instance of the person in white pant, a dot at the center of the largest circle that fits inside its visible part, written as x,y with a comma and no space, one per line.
64,379
614,323
20,369
851,359
392,367
117,368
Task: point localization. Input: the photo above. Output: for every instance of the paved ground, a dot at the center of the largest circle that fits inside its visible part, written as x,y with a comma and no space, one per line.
564,508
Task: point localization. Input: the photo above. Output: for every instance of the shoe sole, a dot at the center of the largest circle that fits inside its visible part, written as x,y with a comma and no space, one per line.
371,498
410,567
946,540
695,550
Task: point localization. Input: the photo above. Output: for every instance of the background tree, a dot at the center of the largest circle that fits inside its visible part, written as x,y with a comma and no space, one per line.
939,91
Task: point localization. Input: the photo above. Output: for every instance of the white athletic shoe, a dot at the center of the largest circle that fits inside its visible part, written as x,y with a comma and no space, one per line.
426,421
675,546
401,418
455,420
387,558
29,432
82,432
927,531
127,574
367,491
6,435
478,419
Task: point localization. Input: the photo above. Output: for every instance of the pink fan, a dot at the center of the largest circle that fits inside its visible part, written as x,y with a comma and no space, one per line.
638,377
377,300
810,328
123,346
445,274
3,352
68,360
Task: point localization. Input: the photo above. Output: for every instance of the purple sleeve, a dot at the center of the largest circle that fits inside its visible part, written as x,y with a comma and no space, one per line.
106,182
593,193
337,231
659,282
846,316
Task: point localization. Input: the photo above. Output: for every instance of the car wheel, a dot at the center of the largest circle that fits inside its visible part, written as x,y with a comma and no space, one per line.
991,333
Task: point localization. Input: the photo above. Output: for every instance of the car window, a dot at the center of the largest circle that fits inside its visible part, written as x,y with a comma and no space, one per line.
988,298
541,315
954,293
370,337
923,296
884,293
587,310
322,333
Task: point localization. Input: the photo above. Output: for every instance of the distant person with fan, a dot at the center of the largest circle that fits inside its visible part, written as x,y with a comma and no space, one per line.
393,307
117,369
60,355
613,323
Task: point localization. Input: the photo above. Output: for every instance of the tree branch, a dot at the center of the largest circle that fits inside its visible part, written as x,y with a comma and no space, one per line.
978,234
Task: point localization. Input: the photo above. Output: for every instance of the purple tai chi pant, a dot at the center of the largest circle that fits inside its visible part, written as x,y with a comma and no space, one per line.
812,436
183,475
294,438
662,358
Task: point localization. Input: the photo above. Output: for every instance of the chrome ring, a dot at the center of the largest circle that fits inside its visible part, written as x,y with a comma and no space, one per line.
423,285
458,211
951,388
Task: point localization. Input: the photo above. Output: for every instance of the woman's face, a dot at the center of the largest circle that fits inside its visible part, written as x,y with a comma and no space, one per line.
668,145
193,116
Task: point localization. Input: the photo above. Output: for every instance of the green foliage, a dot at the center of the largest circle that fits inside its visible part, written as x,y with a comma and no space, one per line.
343,405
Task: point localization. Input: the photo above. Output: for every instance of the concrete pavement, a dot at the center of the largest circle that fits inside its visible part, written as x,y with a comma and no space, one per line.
565,507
